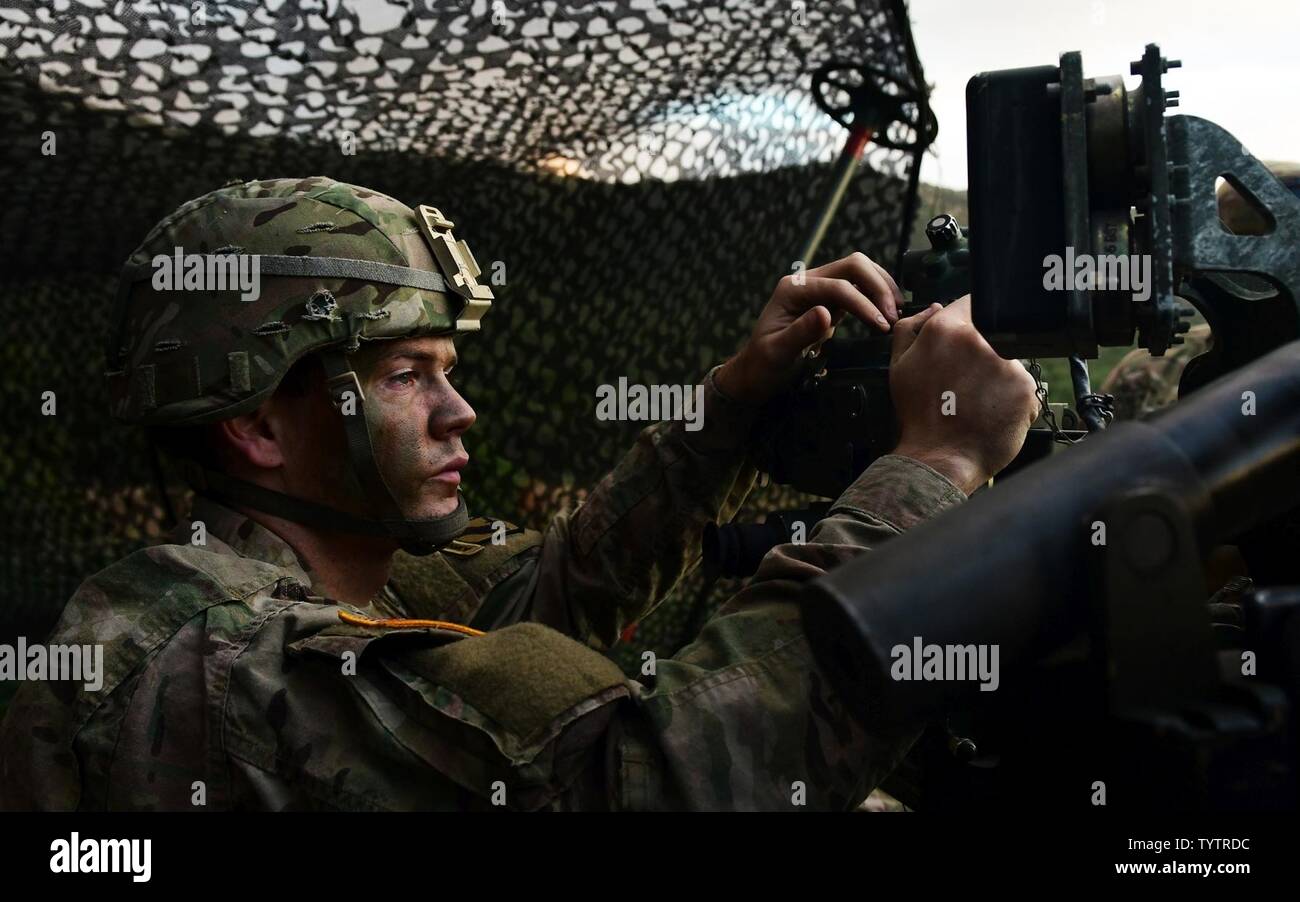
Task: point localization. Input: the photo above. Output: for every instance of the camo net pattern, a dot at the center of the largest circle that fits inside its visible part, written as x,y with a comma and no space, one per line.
641,172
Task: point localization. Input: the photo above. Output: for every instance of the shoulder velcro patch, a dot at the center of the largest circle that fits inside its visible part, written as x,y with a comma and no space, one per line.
527,679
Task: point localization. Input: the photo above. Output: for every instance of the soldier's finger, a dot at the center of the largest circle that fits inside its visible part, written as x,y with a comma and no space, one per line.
907,329
812,328
841,296
899,300
958,311
869,278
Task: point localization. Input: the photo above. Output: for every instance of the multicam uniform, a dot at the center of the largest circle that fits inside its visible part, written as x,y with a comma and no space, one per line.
1142,383
475,678
222,667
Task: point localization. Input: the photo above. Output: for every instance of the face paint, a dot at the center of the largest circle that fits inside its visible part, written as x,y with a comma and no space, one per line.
416,430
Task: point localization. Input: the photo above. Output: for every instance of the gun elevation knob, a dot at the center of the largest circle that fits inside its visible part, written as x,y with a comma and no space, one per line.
943,231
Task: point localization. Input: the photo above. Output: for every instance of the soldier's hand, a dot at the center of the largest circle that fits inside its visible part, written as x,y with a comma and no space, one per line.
803,311
962,409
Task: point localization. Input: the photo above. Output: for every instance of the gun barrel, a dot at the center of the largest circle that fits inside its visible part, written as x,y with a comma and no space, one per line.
1010,568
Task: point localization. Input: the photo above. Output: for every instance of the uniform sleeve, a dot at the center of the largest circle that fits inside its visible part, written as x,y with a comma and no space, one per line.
742,718
609,562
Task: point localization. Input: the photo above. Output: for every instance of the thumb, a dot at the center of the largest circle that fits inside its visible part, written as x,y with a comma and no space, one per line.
907,330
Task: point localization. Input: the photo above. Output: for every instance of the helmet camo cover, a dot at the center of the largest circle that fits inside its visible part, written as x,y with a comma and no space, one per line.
200,354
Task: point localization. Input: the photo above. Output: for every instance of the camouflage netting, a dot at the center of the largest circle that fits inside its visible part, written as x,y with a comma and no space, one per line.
644,171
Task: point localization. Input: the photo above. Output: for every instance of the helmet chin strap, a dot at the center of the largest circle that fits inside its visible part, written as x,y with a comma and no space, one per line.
416,536
419,537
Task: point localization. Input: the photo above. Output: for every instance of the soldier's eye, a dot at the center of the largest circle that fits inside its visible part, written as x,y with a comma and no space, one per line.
407,377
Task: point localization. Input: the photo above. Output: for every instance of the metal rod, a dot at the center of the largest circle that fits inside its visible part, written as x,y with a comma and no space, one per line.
842,176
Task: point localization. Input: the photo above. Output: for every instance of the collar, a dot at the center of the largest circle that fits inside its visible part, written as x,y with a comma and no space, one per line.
235,533
231,532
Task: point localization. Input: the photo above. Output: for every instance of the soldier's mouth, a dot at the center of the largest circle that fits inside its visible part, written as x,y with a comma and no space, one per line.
450,474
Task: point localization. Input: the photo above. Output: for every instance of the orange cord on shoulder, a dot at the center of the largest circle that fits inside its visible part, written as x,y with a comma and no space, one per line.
399,624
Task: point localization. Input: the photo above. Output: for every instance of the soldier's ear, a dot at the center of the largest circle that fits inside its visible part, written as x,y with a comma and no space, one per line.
252,439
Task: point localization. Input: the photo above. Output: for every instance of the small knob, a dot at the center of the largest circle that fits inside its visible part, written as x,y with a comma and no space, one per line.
943,231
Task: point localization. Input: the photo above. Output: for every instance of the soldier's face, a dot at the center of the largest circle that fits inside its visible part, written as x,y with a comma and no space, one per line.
416,421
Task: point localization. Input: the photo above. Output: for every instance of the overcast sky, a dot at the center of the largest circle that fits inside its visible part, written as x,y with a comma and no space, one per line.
1241,59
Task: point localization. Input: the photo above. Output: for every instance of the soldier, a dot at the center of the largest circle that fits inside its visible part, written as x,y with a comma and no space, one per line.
1142,383
269,659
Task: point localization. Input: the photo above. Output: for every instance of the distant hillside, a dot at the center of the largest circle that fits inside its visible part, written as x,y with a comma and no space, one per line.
933,200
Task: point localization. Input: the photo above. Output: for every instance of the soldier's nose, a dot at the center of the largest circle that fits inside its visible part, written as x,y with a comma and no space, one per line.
452,417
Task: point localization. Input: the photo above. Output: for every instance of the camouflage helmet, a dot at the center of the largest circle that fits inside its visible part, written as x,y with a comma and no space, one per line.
229,291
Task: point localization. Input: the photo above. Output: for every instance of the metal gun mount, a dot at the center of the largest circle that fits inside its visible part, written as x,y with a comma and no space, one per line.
1107,660
1061,161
